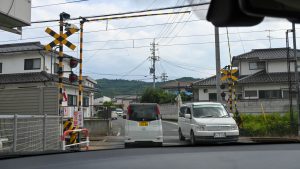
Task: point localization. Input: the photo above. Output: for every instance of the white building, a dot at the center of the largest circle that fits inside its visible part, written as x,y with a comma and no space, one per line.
28,82
262,84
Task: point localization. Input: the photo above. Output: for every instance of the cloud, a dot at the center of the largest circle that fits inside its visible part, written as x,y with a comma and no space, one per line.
191,59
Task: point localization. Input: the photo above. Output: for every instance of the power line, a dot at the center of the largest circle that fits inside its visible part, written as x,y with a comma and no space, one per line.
125,13
119,32
126,74
180,44
40,6
195,35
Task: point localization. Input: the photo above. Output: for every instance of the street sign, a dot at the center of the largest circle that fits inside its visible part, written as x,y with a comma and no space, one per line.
58,39
78,119
228,75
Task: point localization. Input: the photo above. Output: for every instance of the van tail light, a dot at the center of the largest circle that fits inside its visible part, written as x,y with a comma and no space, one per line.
129,110
157,111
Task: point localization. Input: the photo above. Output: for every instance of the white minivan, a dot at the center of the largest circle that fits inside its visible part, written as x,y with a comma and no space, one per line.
206,122
143,124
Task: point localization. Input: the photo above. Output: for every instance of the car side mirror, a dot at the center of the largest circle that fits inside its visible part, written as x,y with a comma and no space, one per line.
187,116
231,114
124,116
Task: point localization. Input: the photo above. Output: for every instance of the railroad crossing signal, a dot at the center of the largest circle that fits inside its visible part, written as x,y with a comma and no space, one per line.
58,39
228,75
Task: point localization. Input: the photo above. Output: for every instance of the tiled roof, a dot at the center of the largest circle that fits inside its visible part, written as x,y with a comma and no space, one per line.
259,77
23,47
24,78
174,84
206,82
33,77
211,81
263,77
18,47
265,54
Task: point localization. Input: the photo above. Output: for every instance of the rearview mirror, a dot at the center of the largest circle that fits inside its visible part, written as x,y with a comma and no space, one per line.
187,116
272,8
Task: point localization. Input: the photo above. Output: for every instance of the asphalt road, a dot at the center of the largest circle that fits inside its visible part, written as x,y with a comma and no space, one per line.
271,156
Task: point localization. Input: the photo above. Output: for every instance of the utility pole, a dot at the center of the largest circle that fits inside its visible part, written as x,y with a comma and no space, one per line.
296,76
153,58
218,64
164,77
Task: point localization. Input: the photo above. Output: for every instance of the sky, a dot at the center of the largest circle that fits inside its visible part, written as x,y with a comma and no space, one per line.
120,49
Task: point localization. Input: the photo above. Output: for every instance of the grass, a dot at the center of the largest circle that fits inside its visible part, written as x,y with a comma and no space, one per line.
274,124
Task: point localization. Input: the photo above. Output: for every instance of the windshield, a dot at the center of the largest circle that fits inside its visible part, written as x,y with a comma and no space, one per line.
84,75
209,111
143,113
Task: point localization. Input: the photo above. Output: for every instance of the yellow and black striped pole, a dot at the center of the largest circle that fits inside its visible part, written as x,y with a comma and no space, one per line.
230,88
80,91
234,96
60,64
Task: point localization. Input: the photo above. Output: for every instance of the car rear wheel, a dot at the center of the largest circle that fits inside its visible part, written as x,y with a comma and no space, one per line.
181,137
193,139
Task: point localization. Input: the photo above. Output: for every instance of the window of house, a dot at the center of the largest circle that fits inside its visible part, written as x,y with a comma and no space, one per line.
270,94
85,102
286,95
72,100
32,64
0,67
250,93
212,96
256,65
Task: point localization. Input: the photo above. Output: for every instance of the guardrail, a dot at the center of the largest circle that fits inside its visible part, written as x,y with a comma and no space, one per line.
84,131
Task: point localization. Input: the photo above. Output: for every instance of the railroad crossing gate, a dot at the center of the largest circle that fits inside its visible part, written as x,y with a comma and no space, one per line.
62,39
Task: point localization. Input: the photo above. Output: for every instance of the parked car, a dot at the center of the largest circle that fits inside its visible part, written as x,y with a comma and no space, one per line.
119,111
114,115
143,124
206,122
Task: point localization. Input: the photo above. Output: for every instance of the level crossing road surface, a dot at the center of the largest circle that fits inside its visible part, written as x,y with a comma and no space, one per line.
266,156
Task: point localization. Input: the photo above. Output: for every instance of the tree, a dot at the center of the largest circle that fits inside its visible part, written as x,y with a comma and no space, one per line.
155,95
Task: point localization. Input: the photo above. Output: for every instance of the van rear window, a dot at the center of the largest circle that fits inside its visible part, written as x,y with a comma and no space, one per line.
143,113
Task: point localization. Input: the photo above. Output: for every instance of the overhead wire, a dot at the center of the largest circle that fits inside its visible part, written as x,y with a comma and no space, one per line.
180,44
124,13
136,67
148,6
195,35
62,3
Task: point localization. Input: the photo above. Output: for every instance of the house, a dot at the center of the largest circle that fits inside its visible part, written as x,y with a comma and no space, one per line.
263,83
125,100
177,86
28,82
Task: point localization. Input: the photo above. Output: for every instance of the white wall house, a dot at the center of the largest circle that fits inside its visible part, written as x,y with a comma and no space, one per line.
263,78
28,66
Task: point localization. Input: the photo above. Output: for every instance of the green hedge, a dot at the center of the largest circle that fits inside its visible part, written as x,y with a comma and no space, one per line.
274,124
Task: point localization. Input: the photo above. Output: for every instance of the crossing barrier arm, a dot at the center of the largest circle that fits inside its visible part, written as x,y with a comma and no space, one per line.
67,132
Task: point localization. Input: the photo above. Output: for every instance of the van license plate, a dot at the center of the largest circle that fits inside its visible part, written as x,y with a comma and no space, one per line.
143,123
219,135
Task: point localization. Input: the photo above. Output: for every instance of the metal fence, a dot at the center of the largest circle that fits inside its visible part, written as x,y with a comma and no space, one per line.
28,133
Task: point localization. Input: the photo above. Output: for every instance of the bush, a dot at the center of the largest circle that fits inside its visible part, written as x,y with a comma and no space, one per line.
156,95
274,124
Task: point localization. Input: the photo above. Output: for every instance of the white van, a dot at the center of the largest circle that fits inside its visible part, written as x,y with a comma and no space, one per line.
143,124
206,122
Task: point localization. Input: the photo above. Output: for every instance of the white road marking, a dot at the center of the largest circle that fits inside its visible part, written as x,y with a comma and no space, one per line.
171,122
